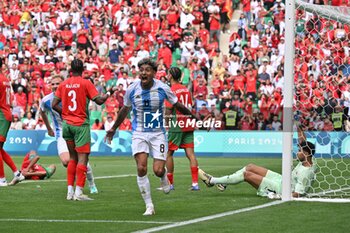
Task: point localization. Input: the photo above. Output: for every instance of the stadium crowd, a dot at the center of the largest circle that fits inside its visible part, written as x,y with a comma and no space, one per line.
243,89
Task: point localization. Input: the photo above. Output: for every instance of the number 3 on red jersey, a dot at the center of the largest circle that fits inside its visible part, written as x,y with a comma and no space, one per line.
73,96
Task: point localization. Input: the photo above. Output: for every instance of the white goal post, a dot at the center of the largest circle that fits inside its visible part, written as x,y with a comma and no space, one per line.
328,13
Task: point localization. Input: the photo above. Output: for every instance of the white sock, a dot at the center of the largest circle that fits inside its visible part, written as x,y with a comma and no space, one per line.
78,190
16,173
145,189
70,189
164,179
234,178
90,176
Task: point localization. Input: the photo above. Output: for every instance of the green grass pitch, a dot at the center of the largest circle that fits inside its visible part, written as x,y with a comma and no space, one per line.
119,206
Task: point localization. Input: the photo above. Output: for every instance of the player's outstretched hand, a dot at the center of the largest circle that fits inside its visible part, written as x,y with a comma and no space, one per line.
109,136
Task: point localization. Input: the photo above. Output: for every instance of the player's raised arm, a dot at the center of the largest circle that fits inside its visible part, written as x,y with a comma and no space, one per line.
301,135
102,99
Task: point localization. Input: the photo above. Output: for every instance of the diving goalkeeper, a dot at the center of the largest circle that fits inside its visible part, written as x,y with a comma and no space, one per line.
269,183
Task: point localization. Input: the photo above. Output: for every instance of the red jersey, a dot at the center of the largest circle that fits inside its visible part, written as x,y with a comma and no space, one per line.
239,82
146,24
184,96
129,38
251,81
5,97
82,36
35,168
74,93
214,23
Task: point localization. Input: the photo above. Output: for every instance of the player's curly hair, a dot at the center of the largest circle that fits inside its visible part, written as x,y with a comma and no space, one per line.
176,73
148,61
77,66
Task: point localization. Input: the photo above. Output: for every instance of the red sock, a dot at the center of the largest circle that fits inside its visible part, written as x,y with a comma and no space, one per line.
2,172
170,177
71,170
8,160
81,174
194,172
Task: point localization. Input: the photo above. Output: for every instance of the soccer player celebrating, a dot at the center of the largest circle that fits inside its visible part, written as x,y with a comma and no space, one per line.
269,183
31,170
74,94
63,152
180,137
146,99
5,122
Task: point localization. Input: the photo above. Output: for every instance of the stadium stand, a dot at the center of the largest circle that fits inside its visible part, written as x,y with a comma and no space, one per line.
243,88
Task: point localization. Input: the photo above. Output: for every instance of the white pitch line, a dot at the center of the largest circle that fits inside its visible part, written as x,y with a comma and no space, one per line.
322,193
210,217
78,221
96,178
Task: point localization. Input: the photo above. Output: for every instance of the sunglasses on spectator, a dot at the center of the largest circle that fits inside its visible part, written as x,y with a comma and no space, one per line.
55,84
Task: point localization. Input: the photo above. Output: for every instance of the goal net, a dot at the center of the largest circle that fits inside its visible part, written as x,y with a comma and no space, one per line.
321,97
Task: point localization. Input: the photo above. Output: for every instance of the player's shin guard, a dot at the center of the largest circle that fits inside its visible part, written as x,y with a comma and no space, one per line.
71,171
194,173
8,160
81,175
145,189
90,176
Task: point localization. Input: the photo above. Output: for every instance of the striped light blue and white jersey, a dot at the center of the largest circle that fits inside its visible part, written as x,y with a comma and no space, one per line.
56,118
147,105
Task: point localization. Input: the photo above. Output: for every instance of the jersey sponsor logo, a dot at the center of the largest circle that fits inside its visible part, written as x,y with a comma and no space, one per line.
152,120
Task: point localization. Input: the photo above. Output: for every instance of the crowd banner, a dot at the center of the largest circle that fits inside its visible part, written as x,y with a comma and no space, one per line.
214,143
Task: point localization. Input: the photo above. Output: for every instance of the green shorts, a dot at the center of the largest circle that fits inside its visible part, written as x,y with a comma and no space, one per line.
272,182
4,127
180,140
79,135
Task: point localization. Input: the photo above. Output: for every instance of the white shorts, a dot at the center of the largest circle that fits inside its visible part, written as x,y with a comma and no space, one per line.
153,143
61,146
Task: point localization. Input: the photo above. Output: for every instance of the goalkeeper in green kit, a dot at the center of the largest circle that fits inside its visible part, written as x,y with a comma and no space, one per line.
269,183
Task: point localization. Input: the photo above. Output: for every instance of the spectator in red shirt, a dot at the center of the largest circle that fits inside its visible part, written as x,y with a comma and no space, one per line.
201,89
247,122
238,81
165,54
214,20
146,23
21,99
97,125
67,37
203,112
